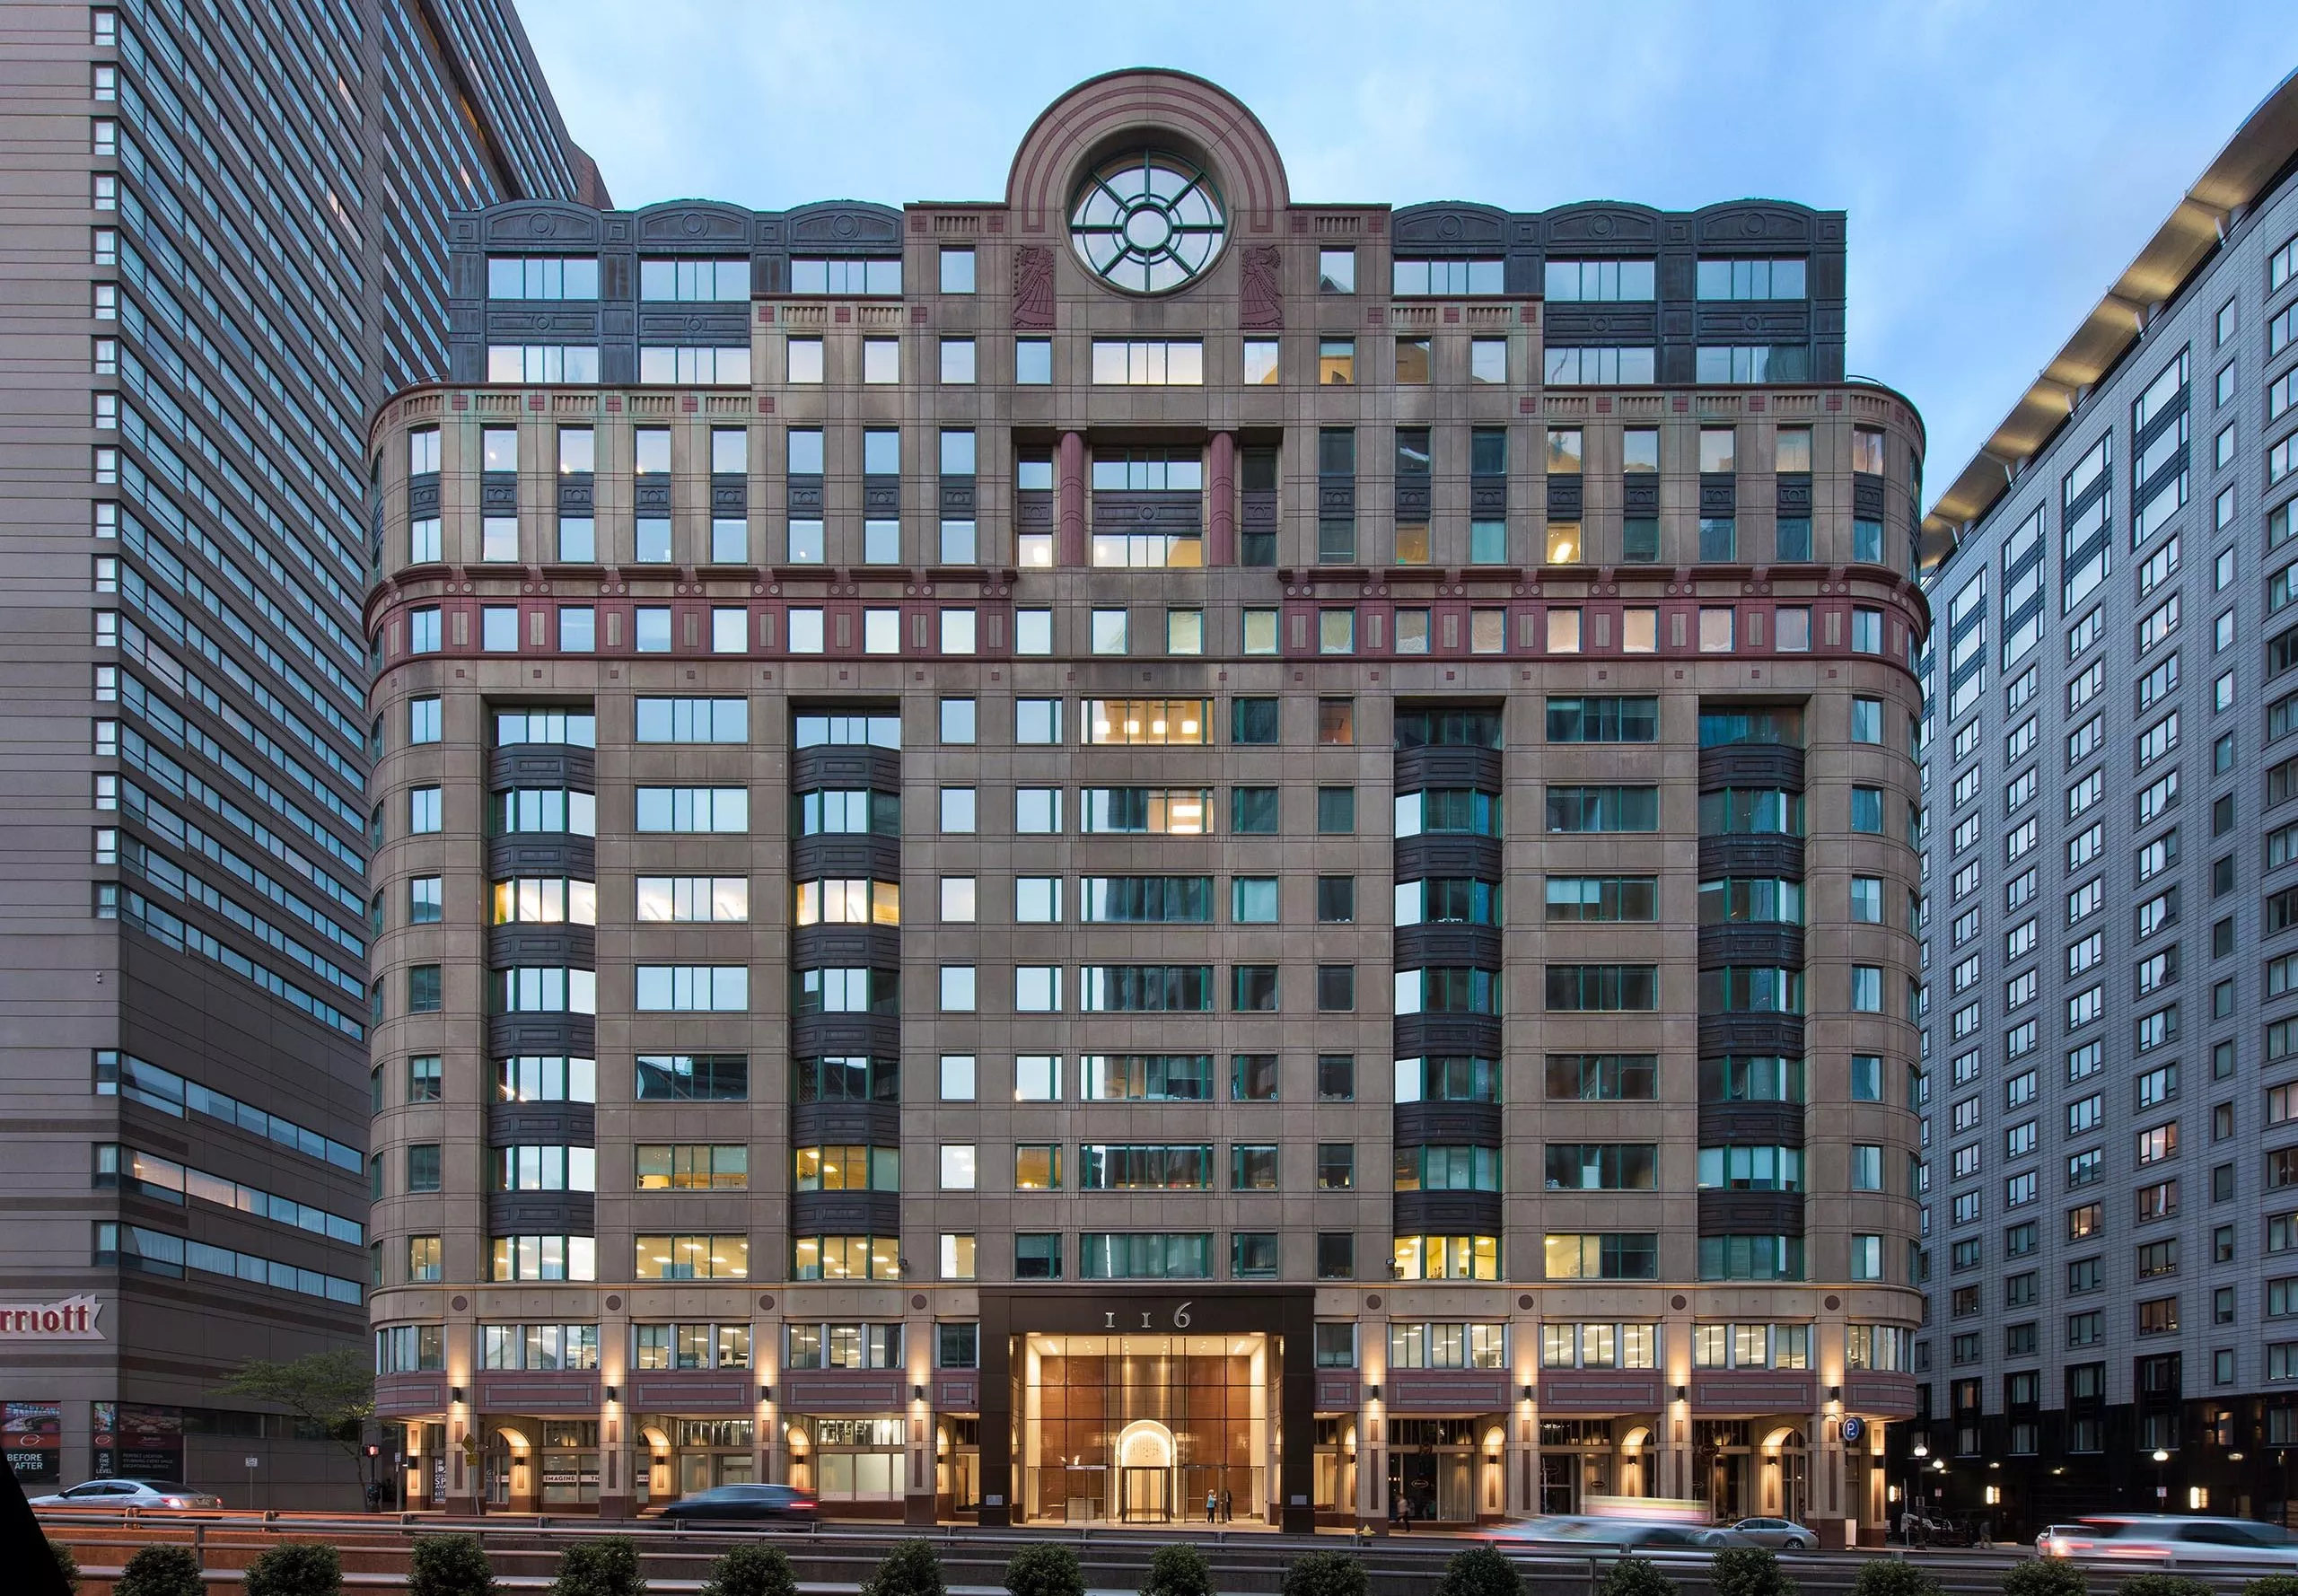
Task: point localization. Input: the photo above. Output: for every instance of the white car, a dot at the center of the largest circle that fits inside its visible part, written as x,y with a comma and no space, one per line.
129,1493
2172,1542
1786,1534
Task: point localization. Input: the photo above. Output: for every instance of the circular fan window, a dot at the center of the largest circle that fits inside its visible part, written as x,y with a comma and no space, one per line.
1147,222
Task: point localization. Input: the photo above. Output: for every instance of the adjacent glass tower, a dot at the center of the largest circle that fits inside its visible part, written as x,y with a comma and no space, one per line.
1045,859
227,244
2112,1126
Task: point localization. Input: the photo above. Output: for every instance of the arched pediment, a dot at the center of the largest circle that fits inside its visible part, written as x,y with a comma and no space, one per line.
1151,108
843,224
696,223
1597,224
1450,225
541,222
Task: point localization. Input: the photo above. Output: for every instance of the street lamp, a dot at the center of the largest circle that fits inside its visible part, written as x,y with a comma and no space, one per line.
1914,1489
2161,1490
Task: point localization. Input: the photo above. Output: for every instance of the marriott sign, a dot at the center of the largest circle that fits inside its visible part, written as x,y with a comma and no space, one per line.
73,1318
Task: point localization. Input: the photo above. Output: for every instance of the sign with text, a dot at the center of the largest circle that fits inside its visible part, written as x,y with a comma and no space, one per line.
32,1433
138,1441
73,1318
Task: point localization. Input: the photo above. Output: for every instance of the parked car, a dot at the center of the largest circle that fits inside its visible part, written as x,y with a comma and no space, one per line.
1786,1534
129,1493
744,1502
2181,1542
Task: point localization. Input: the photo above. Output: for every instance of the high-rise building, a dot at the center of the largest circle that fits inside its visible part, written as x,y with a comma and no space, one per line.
223,242
1045,858
2112,1216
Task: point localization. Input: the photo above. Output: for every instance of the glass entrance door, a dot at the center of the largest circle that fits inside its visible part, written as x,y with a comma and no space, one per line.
1148,1497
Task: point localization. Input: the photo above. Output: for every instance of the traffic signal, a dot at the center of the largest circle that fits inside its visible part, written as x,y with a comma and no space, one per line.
374,1451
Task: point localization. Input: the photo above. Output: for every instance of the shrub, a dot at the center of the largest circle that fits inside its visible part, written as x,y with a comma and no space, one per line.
1180,1569
2271,1585
1749,1570
1480,1570
1044,1569
449,1566
161,1571
752,1571
911,1569
1636,1576
298,1568
2165,1584
66,1565
1889,1576
608,1566
2044,1576
1325,1574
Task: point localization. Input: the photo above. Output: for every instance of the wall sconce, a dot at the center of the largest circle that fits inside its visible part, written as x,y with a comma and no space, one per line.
766,1393
611,1394
1376,1393
1834,1393
454,1393
917,1393
1683,1393
1529,1392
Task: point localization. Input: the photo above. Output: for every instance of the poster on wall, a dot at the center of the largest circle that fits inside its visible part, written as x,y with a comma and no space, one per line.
135,1441
32,1433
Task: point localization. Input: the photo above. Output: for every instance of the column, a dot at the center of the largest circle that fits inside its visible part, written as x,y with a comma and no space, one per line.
1833,1515
1221,528
1069,506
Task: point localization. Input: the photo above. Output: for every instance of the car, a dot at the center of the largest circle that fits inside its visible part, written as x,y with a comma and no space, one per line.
2054,1540
1786,1534
1604,1532
748,1503
129,1493
2182,1542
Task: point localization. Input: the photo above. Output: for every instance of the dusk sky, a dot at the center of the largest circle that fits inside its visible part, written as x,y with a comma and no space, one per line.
2001,164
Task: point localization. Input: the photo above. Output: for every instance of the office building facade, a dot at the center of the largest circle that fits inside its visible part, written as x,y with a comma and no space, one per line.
225,243
2110,1146
1043,858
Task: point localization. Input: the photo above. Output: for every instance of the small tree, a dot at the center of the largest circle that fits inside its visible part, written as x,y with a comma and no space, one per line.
1636,1576
1480,1570
911,1569
332,1391
1045,1569
449,1566
2271,1585
1179,1569
2044,1576
298,1568
1325,1574
1749,1570
161,1571
752,1571
606,1566
1890,1576
2166,1584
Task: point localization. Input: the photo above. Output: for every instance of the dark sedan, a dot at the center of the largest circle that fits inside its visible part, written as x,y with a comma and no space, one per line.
730,1504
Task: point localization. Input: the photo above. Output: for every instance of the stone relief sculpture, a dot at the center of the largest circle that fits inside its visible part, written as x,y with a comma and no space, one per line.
1261,305
1032,288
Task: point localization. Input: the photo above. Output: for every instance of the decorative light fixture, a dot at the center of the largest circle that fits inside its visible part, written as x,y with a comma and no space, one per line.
611,1394
766,1393
1529,1392
1921,1451
454,1393
917,1393
1683,1393
1376,1393
1834,1393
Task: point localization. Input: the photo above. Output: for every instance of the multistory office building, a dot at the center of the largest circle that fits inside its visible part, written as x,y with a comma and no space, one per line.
224,240
2112,1205
1047,858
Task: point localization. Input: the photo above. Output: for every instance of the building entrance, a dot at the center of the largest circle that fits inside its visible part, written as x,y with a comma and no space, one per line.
1145,1429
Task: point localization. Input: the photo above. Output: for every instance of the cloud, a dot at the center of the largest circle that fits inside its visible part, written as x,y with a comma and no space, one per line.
2001,164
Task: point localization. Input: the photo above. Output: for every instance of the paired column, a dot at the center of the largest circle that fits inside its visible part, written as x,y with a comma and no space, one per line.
1069,506
1221,478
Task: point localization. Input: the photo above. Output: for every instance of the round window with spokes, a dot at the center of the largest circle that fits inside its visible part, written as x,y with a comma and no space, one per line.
1148,222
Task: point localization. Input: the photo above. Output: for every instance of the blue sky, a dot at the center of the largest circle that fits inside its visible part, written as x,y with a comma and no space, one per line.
2001,164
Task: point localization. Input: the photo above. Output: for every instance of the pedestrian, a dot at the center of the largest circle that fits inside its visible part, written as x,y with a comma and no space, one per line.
1212,1505
1228,1507
1404,1513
